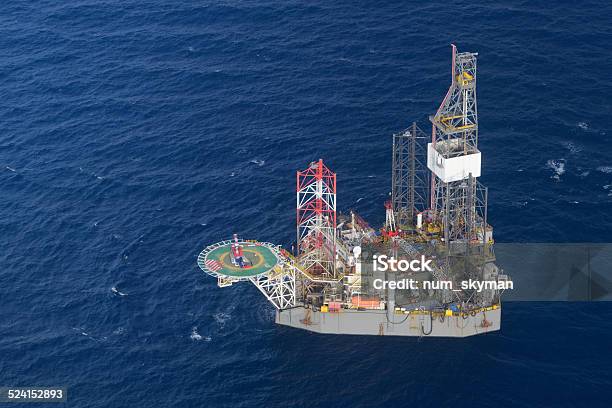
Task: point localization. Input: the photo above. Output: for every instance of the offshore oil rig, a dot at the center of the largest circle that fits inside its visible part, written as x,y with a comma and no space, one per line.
437,211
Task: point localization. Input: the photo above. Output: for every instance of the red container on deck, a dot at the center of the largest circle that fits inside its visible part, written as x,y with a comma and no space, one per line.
368,303
334,306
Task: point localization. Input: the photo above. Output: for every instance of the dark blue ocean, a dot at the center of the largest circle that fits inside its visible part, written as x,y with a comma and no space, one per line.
133,133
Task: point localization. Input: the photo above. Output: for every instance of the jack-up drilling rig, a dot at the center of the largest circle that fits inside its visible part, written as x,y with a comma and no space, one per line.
437,211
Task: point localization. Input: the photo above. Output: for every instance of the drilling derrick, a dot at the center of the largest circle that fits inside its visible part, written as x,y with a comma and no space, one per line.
458,200
453,156
316,221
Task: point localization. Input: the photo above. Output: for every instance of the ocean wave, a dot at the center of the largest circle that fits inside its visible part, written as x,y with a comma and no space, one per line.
558,166
221,318
195,336
572,147
117,291
605,169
